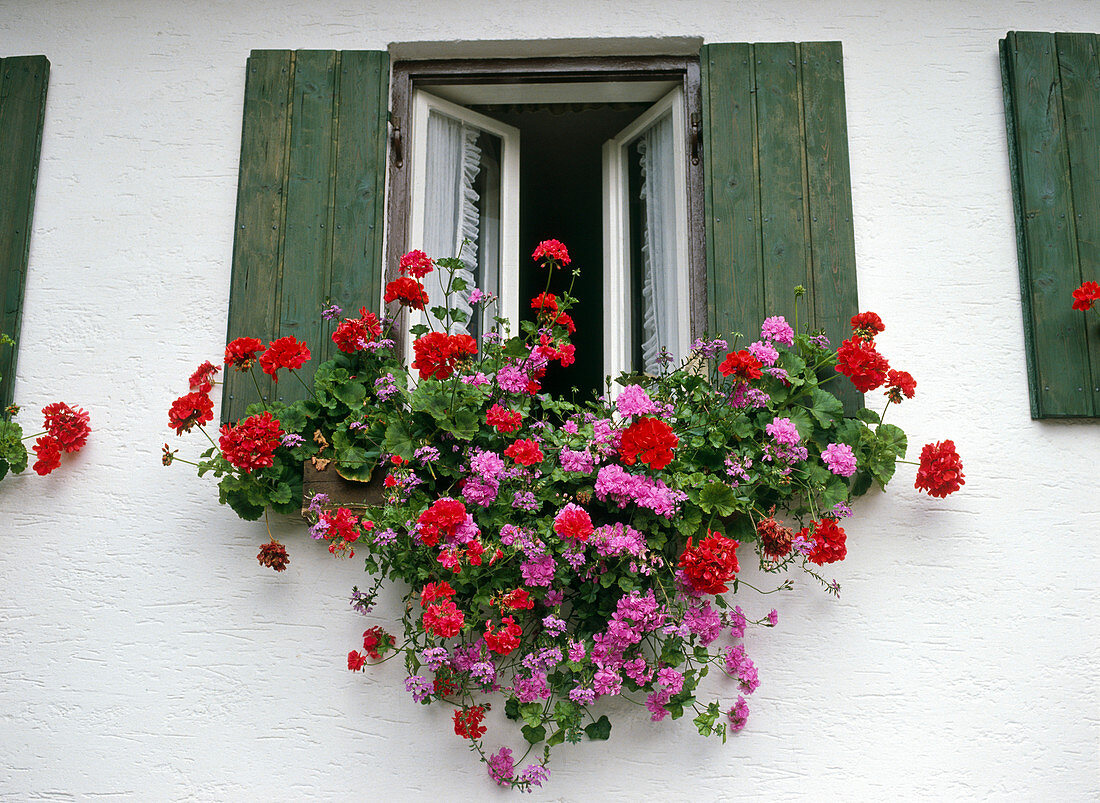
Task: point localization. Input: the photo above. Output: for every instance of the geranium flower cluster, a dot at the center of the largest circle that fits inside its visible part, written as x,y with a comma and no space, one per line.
65,429
560,554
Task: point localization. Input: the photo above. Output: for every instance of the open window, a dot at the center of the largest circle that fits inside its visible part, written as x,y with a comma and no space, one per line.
465,204
589,151
646,245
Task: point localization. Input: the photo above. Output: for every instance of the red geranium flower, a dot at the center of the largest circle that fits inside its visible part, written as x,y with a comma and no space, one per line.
241,353
858,360
567,354
443,619
342,525
900,383
439,354
67,425
517,600
407,292
552,251
866,325
775,538
186,411
740,364
415,263
504,640
650,440
525,452
376,641
286,352
1085,295
353,334
442,518
828,540
251,443
940,471
273,555
468,722
710,566
433,591
563,319
545,303
203,378
48,451
505,421
573,522
356,661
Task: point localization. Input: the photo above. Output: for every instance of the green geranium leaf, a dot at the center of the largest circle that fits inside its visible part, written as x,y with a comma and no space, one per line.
363,472
531,713
351,393
719,499
534,733
801,419
458,284
862,483
12,450
892,439
463,426
826,408
511,708
557,738
515,347
600,730
398,441
282,494
868,415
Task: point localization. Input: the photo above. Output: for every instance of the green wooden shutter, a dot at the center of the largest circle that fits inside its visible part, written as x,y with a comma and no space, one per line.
778,198
23,81
309,204
1052,112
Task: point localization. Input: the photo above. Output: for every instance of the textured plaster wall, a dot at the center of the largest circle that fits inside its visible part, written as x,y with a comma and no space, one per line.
145,655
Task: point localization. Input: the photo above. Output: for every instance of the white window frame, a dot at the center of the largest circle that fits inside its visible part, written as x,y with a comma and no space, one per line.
618,292
424,103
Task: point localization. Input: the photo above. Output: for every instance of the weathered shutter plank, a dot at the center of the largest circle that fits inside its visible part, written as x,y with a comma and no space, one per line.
1051,271
832,232
1079,71
735,297
784,238
258,233
356,278
23,82
309,200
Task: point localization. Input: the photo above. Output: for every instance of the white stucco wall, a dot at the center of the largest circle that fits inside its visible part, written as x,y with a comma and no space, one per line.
144,654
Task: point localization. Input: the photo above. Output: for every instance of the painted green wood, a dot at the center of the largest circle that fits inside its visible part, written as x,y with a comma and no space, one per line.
258,232
735,297
777,183
1018,215
832,232
784,234
358,213
1051,271
307,245
1079,71
23,83
310,203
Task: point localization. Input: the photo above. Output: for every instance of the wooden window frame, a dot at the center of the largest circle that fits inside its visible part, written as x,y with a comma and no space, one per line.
409,75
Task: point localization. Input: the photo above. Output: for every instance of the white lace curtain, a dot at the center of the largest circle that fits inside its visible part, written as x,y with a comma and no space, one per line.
660,321
450,209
